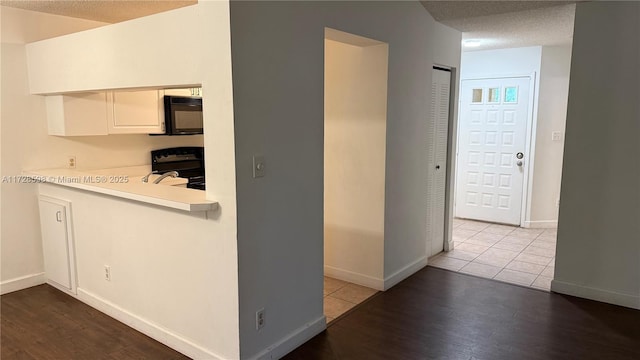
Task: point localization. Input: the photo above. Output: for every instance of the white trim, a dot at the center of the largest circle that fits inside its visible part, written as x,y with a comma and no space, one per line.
452,158
541,224
530,151
293,340
146,327
611,297
21,283
404,273
354,277
496,76
60,287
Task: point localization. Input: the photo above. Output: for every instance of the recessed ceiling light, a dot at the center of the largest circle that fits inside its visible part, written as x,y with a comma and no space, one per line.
471,43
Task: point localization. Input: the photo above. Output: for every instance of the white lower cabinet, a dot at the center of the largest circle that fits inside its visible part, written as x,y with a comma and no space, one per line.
57,243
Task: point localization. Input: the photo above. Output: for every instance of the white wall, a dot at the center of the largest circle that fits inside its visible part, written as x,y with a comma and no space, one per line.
278,64
62,64
552,115
355,125
129,54
172,55
551,66
503,62
598,251
27,145
169,270
22,122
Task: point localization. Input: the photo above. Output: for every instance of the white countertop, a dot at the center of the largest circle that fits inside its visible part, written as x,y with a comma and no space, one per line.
136,173
126,182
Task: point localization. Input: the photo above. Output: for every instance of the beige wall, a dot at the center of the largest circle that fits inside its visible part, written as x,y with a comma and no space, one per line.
355,110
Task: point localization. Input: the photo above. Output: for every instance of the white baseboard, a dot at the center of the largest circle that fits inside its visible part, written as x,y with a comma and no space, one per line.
404,273
541,224
353,277
606,296
292,340
21,283
146,327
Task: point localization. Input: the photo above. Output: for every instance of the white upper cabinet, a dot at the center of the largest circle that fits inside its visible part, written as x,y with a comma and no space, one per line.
103,113
77,114
136,112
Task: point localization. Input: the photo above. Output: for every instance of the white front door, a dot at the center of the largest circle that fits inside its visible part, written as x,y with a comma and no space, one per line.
437,167
491,153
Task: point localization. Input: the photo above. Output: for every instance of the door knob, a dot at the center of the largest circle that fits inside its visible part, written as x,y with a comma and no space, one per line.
519,155
437,167
519,162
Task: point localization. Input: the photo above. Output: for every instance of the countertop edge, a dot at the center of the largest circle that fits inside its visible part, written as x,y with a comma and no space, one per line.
49,177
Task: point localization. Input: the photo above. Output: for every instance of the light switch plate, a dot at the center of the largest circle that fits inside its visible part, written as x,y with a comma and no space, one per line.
258,166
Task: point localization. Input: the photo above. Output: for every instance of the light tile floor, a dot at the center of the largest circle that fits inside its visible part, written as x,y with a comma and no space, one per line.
506,253
340,296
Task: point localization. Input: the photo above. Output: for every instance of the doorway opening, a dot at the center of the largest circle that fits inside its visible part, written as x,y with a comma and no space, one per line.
355,122
512,112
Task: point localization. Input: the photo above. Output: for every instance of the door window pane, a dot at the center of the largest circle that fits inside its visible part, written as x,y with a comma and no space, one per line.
477,96
510,94
494,95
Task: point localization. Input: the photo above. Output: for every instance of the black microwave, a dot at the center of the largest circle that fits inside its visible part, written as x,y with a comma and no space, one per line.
182,115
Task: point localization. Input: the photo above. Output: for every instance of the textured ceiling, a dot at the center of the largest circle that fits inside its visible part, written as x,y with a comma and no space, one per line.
110,11
507,24
542,27
448,10
499,24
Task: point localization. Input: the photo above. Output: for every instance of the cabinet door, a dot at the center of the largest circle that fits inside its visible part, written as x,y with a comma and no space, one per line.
137,112
77,114
57,243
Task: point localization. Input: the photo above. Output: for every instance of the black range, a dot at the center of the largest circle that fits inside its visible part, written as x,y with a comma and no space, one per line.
188,161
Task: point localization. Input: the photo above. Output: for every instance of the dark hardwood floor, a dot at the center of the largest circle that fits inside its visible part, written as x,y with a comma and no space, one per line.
44,323
437,314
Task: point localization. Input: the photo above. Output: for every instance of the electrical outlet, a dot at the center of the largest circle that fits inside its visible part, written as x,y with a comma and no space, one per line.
71,162
260,319
556,136
107,272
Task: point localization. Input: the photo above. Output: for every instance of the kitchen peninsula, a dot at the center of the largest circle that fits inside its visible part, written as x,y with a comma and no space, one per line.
127,183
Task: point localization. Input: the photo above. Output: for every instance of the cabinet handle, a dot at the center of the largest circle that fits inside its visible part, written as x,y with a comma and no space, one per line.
59,216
